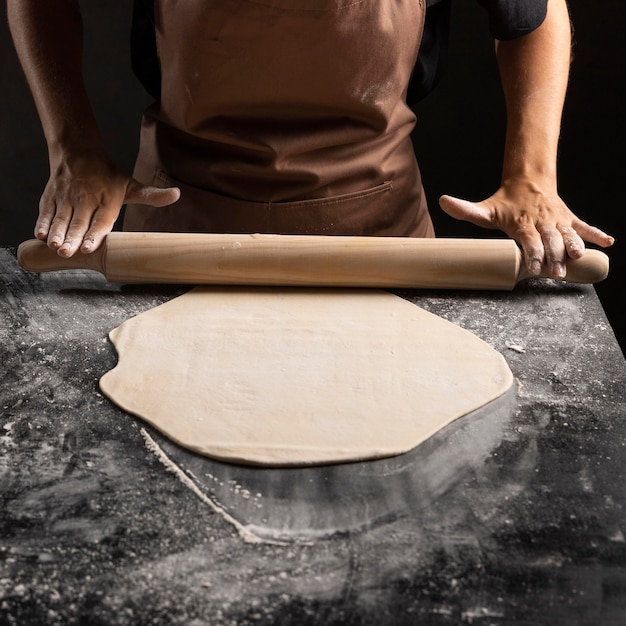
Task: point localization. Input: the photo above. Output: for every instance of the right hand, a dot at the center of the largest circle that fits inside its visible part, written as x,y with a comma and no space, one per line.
83,198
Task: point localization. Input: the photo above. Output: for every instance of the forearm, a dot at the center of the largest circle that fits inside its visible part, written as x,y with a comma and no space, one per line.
48,39
534,71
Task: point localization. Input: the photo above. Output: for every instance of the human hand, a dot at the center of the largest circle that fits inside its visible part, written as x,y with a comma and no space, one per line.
537,218
83,198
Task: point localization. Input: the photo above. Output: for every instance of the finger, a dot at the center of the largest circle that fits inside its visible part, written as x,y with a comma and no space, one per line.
46,215
137,193
467,211
74,236
574,244
85,205
593,234
554,247
534,251
101,225
59,226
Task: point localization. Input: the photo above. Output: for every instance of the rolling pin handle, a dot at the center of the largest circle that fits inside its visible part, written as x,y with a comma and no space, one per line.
35,256
592,267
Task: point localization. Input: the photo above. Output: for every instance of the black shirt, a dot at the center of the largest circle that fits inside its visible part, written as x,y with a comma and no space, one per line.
508,19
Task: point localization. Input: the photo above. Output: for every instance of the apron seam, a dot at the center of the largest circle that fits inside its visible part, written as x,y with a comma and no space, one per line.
385,187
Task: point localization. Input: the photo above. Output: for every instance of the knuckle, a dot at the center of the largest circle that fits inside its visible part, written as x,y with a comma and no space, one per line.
522,225
84,200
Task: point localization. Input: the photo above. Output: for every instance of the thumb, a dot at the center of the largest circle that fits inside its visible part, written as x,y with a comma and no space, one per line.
136,193
467,211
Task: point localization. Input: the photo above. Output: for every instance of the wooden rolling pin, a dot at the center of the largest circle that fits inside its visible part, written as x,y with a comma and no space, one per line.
306,260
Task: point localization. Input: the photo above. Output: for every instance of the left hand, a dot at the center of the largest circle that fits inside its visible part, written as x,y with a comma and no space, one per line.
537,218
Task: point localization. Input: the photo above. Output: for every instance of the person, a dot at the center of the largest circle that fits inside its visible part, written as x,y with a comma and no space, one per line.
291,116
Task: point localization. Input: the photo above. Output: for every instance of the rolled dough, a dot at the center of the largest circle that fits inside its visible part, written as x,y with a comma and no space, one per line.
293,377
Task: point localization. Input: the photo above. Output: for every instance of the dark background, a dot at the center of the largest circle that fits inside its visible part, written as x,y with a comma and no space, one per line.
458,138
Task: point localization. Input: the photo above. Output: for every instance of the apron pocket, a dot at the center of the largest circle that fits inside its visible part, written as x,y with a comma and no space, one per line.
364,212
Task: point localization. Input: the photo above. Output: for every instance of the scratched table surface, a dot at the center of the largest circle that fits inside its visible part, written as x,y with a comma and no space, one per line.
516,516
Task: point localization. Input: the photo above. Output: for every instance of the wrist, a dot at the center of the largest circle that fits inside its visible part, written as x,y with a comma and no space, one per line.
72,147
536,180
74,139
520,164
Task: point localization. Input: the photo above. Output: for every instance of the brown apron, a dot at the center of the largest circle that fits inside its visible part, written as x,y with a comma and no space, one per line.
284,116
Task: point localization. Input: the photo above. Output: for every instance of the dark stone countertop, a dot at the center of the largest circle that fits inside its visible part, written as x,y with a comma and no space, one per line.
511,516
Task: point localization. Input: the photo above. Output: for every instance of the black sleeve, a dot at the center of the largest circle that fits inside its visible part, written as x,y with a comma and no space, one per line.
433,53
509,19
143,48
